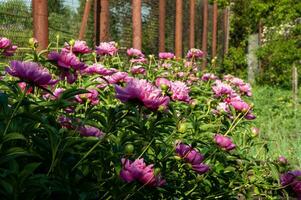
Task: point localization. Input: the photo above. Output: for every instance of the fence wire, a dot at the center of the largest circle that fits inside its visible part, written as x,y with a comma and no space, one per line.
65,19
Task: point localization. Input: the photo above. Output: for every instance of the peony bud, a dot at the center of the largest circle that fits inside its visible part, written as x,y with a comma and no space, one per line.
129,149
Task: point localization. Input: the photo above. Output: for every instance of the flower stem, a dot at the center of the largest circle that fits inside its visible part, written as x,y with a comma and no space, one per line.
15,111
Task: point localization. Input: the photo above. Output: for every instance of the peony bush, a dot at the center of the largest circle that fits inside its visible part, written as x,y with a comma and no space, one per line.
99,123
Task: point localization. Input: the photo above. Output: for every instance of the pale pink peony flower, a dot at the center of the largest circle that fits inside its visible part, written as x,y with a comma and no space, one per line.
209,76
135,53
98,68
221,89
107,48
195,53
79,46
166,55
138,69
118,77
179,91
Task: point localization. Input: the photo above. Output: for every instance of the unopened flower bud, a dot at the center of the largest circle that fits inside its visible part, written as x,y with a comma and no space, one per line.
282,160
129,149
71,42
255,131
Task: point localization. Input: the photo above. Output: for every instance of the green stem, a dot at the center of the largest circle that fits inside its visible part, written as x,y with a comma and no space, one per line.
15,111
86,155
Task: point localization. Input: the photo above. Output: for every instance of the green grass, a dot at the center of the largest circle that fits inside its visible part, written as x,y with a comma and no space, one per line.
279,123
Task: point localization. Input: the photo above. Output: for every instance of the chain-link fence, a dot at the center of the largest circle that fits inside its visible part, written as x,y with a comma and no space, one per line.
65,18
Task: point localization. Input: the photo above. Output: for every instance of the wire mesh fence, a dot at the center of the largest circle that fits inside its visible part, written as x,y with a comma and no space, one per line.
65,18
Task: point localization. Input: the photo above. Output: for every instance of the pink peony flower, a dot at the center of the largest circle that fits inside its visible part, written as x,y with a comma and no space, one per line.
194,53
118,77
138,69
6,47
220,89
101,83
246,89
209,76
162,82
166,55
92,96
30,72
239,105
193,157
138,60
135,53
143,92
107,48
282,160
179,91
87,131
5,43
99,69
224,142
23,85
141,172
78,47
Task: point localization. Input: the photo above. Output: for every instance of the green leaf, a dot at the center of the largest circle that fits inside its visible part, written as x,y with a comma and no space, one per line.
13,136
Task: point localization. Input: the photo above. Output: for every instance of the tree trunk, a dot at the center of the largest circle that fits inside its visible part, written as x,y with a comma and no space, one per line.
40,22
137,24
205,32
179,28
104,20
85,19
191,24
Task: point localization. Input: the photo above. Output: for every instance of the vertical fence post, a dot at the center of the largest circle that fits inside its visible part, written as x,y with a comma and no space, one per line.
295,86
214,29
40,22
104,20
226,29
260,27
96,21
179,28
162,12
205,31
191,24
137,24
85,19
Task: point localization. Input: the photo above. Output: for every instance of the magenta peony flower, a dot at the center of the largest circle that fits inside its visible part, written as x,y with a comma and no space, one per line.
220,89
78,47
143,92
30,72
107,48
6,47
92,96
193,157
224,142
118,77
87,131
162,83
138,69
135,53
5,43
246,89
99,69
194,53
209,76
141,172
236,81
65,122
239,105
166,55
179,91
291,179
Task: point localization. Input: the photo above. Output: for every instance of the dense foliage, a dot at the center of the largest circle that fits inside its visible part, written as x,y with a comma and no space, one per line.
78,123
